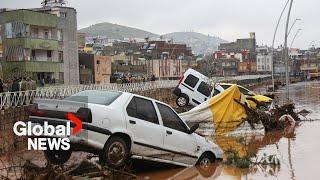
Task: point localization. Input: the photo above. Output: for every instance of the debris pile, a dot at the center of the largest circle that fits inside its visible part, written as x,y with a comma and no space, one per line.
270,119
84,170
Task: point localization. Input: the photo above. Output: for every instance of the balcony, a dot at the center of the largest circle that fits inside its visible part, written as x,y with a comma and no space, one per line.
31,17
31,66
33,43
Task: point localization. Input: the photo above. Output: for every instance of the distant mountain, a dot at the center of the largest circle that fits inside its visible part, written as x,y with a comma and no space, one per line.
200,43
115,31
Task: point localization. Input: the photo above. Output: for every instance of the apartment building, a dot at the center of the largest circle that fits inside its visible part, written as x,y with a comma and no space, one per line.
40,43
94,69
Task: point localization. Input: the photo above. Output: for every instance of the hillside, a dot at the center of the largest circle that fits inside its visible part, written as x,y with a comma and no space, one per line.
200,43
115,31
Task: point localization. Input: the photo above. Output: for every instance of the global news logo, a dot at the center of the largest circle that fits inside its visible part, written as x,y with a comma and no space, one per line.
46,136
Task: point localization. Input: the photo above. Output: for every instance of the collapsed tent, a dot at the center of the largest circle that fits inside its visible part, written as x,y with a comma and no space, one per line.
226,114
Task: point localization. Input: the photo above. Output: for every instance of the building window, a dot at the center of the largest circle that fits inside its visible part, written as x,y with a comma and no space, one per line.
33,54
60,54
59,35
46,34
49,55
61,77
63,14
34,32
98,61
98,69
8,29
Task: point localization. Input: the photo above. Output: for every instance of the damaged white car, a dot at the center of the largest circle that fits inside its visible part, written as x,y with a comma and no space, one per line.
119,125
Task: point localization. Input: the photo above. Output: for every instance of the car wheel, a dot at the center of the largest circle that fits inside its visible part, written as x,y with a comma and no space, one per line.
182,101
58,157
204,165
115,153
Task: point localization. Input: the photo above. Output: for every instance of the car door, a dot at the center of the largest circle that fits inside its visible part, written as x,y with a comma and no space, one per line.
190,84
203,92
176,138
143,122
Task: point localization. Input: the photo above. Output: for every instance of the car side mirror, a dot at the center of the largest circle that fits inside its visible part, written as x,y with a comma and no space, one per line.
193,128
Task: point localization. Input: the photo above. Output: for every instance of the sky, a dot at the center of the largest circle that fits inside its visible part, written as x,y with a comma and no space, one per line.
228,19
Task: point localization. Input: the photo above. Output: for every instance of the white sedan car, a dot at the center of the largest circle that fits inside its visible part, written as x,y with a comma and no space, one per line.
120,125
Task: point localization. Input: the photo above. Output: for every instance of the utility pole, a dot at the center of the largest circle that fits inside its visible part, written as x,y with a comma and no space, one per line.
272,48
286,52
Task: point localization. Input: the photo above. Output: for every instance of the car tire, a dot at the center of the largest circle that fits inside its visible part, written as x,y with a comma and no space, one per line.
115,152
57,157
204,165
182,101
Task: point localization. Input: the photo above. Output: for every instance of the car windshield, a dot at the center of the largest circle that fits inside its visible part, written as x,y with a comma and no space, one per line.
95,97
245,91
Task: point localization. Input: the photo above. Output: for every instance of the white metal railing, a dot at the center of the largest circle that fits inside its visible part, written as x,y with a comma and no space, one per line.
13,99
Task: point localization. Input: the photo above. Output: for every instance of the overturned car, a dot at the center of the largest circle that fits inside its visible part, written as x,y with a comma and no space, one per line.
119,125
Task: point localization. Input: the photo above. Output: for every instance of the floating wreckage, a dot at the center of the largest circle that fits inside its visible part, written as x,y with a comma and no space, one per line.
231,116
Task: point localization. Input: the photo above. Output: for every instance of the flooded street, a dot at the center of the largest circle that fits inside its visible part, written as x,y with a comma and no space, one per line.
297,151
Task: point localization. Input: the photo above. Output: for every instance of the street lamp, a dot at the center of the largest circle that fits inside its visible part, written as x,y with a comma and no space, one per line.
272,48
286,51
293,25
294,38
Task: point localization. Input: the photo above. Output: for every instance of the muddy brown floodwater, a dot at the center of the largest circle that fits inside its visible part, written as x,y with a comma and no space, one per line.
298,151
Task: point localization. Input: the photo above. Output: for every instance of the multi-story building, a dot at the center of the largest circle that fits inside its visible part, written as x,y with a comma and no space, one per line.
94,69
243,50
166,59
158,49
225,67
264,63
240,45
40,43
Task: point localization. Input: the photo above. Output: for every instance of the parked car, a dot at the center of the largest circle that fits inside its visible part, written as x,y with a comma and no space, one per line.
194,88
120,125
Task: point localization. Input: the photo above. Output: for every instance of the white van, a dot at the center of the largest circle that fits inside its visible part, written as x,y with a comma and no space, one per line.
192,89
